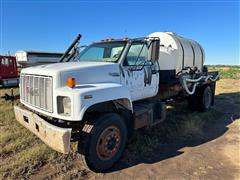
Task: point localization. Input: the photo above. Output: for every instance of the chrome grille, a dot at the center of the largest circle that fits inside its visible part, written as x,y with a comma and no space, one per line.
37,91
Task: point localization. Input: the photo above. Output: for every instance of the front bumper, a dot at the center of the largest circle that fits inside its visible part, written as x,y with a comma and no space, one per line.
55,137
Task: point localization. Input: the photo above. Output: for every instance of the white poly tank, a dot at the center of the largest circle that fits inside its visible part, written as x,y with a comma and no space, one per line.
177,52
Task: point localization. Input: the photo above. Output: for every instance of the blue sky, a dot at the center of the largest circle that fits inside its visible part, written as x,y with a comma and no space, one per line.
52,25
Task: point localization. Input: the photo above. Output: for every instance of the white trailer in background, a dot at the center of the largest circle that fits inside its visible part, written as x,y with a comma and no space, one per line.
33,58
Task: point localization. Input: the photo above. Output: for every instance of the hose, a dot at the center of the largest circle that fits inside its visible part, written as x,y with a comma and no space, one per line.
186,87
196,82
211,79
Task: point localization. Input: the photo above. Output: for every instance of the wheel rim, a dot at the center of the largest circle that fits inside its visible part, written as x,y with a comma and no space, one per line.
207,98
108,143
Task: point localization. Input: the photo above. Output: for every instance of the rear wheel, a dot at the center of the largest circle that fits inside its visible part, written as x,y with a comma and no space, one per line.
202,99
206,99
104,144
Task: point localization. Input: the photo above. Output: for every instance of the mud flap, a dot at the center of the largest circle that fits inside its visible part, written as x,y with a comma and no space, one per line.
55,137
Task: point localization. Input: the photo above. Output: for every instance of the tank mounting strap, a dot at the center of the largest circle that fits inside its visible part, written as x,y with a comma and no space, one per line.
182,51
193,53
201,52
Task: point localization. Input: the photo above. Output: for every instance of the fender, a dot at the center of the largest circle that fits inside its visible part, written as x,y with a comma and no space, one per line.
101,92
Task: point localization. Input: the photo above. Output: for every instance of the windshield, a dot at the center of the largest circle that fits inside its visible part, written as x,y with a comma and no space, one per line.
103,52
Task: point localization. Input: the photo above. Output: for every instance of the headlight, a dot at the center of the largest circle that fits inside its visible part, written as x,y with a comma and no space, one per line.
64,105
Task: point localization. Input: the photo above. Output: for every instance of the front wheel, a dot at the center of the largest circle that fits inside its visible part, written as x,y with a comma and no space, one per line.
104,144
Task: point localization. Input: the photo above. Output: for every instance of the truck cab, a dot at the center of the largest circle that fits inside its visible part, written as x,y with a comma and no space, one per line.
8,70
100,96
137,69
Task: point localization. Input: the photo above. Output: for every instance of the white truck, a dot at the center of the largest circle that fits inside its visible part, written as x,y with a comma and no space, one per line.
110,89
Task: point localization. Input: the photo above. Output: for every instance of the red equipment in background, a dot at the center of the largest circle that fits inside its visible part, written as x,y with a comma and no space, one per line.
8,71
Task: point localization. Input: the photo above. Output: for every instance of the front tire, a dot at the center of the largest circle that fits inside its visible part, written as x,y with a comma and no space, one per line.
104,144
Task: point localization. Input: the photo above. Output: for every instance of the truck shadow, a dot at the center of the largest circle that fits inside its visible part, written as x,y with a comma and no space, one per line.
182,128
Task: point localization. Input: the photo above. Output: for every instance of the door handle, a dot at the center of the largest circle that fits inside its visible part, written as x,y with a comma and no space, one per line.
114,74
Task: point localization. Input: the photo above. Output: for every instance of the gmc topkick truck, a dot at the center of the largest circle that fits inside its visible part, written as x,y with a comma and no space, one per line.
99,96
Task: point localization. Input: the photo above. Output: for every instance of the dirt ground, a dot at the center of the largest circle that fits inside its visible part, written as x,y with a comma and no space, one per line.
209,150
214,156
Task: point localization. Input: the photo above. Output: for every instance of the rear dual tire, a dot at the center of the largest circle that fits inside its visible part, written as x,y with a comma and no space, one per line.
202,99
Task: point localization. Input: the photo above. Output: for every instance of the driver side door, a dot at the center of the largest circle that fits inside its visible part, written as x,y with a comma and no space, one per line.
140,74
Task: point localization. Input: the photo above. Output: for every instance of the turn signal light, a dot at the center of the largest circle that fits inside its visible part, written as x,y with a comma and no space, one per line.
71,82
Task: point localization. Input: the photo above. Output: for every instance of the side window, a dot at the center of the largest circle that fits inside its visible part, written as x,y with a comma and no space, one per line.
137,54
10,62
5,61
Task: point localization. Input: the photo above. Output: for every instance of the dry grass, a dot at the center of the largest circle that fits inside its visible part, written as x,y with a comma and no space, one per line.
22,154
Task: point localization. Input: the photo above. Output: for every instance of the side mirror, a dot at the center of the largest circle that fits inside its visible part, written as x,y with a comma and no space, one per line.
153,50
